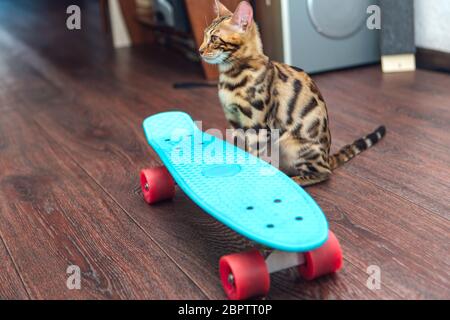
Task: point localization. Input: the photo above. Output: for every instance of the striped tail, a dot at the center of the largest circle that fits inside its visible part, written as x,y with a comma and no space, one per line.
347,153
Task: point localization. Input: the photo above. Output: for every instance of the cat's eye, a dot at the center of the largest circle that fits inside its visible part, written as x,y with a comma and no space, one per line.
214,38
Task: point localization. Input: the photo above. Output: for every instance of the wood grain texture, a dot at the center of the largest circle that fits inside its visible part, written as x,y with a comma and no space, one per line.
83,105
11,285
415,109
53,217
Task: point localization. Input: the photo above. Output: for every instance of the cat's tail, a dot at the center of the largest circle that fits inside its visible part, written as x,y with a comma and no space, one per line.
348,152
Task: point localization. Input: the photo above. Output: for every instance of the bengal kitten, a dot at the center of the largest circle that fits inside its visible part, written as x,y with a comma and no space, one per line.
257,93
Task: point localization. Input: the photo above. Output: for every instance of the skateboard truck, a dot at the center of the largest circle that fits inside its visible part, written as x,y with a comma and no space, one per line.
247,275
280,260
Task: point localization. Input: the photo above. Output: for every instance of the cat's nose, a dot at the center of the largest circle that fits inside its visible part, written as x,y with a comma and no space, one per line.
201,51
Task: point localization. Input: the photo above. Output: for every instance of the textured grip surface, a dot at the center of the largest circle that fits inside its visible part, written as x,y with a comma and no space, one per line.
243,192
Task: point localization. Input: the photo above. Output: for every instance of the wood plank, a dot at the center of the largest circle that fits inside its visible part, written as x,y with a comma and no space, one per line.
53,215
220,234
396,235
46,233
406,208
113,137
415,152
11,285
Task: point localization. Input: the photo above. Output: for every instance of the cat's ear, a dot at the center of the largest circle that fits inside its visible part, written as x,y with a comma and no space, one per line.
221,10
243,16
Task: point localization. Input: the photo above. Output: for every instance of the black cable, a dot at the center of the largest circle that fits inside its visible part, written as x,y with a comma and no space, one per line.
193,85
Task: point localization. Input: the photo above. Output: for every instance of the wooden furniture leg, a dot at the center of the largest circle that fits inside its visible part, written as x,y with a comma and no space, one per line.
104,12
138,32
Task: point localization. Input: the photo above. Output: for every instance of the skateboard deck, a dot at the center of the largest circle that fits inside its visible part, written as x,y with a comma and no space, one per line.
241,191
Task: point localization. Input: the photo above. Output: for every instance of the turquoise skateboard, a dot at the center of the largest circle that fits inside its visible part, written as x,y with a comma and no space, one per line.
246,194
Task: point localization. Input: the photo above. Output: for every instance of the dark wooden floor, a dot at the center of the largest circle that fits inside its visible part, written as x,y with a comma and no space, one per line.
71,146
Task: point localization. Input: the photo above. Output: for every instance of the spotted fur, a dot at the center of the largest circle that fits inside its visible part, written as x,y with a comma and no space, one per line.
257,93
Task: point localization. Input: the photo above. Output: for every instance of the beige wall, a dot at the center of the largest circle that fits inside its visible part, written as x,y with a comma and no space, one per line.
433,24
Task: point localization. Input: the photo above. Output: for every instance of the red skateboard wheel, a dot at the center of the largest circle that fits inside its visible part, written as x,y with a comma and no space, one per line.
244,275
325,260
157,185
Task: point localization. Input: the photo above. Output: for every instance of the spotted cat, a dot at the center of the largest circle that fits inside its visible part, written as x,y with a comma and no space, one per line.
257,93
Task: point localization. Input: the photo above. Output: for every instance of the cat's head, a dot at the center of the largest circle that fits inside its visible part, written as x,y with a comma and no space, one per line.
231,36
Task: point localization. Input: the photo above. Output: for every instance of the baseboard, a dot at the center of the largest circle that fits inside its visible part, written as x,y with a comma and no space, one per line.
398,63
433,60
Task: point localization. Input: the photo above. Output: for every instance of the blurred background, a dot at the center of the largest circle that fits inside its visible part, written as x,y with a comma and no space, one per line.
316,35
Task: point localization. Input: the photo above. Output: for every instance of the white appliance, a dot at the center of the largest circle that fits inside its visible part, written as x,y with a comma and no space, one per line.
318,35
